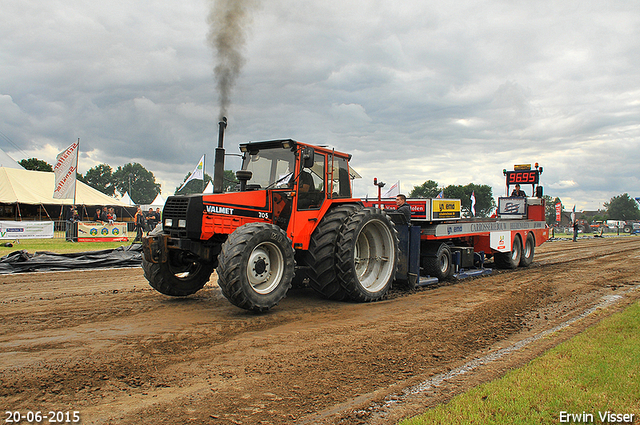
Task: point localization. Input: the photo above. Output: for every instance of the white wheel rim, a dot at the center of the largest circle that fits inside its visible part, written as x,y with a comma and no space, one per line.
444,263
516,251
265,268
527,249
374,256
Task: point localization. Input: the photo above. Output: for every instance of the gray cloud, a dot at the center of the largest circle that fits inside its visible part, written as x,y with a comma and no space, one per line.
416,91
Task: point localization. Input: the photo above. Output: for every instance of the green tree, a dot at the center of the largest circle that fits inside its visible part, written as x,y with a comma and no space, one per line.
101,178
622,207
550,208
428,189
484,198
35,164
196,186
230,181
144,188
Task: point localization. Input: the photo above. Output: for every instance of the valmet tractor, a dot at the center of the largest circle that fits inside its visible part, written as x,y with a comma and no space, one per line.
293,219
293,216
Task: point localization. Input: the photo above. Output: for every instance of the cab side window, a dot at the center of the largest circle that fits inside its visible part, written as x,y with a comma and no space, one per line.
311,184
341,181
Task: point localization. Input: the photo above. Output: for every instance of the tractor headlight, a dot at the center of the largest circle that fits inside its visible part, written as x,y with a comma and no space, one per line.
168,222
182,223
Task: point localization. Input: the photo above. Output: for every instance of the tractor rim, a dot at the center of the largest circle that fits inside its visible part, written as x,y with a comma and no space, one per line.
374,256
265,268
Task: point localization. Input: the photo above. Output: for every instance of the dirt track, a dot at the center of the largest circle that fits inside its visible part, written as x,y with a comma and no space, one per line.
105,344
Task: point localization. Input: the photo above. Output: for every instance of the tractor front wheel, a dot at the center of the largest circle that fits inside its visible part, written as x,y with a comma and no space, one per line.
256,266
179,276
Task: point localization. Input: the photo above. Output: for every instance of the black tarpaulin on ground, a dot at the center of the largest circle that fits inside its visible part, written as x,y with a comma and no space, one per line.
22,261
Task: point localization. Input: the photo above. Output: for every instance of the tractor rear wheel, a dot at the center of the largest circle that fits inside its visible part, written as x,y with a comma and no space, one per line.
179,276
528,251
256,266
367,255
509,260
321,256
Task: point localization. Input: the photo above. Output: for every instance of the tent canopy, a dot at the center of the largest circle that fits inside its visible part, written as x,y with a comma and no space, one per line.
36,187
7,161
126,199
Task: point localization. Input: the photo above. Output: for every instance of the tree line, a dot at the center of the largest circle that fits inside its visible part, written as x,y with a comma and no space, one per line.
622,207
133,178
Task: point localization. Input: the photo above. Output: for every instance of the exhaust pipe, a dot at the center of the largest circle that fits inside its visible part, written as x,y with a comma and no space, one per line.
218,166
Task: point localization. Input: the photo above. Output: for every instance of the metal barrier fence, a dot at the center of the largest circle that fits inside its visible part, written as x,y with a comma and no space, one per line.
60,229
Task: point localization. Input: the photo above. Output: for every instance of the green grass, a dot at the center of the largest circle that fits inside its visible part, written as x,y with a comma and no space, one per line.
57,245
596,371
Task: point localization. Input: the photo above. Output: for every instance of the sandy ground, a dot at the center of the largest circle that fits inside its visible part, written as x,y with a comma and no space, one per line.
106,344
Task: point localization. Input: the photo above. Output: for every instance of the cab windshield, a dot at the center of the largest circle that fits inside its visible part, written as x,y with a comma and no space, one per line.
270,167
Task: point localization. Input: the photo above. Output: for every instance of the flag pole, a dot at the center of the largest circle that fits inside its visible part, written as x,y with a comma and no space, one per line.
75,181
204,172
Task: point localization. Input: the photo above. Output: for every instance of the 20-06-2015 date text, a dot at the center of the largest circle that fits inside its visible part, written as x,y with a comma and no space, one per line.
40,417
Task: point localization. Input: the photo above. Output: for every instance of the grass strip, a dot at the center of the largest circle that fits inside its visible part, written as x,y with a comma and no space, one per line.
596,372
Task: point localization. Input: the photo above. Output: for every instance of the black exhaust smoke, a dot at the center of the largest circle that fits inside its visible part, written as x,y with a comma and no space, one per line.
218,165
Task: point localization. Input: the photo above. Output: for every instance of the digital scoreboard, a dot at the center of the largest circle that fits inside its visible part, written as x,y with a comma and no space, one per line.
523,177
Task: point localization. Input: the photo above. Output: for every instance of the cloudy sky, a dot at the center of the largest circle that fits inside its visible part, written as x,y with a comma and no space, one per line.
449,91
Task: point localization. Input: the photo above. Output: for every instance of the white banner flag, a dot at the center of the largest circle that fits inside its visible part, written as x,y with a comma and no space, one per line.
65,171
197,174
393,191
473,203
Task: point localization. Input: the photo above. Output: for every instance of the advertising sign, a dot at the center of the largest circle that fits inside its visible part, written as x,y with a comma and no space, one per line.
26,230
445,209
512,207
500,241
558,212
99,232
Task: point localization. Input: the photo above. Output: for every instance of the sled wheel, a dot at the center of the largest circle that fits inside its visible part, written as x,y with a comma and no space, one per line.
528,251
256,266
367,255
509,260
439,265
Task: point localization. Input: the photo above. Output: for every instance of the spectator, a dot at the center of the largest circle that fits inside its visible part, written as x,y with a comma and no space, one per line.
112,215
104,215
158,216
151,220
70,219
97,216
139,222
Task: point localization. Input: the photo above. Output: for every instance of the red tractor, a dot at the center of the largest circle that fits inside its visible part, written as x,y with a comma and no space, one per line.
293,217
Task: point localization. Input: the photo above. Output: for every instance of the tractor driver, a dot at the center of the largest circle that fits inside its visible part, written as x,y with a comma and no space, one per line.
403,207
518,192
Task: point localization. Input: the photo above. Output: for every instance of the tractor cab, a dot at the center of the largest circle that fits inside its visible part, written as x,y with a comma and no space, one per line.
299,179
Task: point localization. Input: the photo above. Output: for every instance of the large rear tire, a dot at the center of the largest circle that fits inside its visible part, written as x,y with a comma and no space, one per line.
439,264
528,251
179,276
321,256
367,255
509,260
256,266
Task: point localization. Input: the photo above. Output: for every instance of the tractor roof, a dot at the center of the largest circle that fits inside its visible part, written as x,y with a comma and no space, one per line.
286,144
